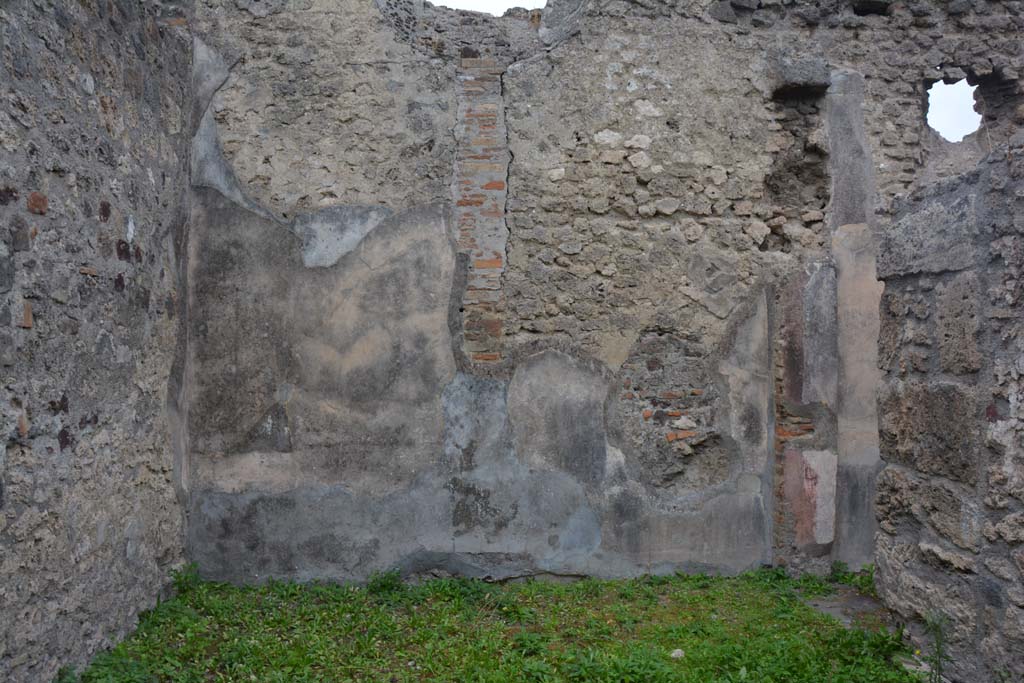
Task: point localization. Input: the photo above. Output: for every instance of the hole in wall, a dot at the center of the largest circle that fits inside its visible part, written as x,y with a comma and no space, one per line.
863,8
495,7
951,110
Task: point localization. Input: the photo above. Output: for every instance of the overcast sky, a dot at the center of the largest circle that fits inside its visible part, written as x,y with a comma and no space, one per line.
495,7
951,110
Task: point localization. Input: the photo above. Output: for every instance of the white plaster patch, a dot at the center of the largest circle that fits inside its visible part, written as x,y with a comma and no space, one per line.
646,108
330,233
824,465
614,460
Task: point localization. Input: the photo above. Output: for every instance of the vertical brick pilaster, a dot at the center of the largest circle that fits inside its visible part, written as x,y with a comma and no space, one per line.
479,192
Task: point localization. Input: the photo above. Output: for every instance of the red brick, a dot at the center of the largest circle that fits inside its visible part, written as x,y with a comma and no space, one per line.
492,326
675,436
486,357
26,317
495,185
38,203
488,263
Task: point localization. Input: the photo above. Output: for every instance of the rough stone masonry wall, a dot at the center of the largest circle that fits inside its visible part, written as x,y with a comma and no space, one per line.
951,499
548,293
93,154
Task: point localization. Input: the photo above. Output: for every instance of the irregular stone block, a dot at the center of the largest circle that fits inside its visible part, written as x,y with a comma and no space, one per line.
931,428
723,11
940,236
797,75
958,324
6,269
950,513
560,20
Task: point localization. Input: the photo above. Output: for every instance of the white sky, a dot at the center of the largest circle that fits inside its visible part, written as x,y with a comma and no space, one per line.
495,7
951,110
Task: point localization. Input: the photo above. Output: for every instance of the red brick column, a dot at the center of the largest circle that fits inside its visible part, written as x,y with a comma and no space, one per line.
479,192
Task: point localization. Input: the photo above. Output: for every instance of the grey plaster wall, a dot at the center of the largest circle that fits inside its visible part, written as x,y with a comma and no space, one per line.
94,140
682,321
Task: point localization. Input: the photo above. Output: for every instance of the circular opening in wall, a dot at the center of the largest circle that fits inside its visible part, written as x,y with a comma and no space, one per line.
951,110
495,7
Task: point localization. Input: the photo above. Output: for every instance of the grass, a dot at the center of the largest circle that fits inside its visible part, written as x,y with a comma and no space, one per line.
754,627
863,581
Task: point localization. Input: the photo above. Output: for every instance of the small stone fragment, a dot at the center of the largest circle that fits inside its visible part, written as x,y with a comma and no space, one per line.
693,232
723,11
21,235
638,142
757,231
608,137
612,156
684,422
640,160
646,108
667,206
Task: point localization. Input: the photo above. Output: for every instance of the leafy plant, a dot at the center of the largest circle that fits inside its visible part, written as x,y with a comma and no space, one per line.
185,579
863,581
935,625
66,674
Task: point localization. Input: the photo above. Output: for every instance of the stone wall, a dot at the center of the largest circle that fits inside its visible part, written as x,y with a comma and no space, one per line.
658,277
951,499
93,170
587,290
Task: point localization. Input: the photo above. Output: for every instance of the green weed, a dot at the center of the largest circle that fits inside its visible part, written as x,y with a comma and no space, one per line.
754,627
863,581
